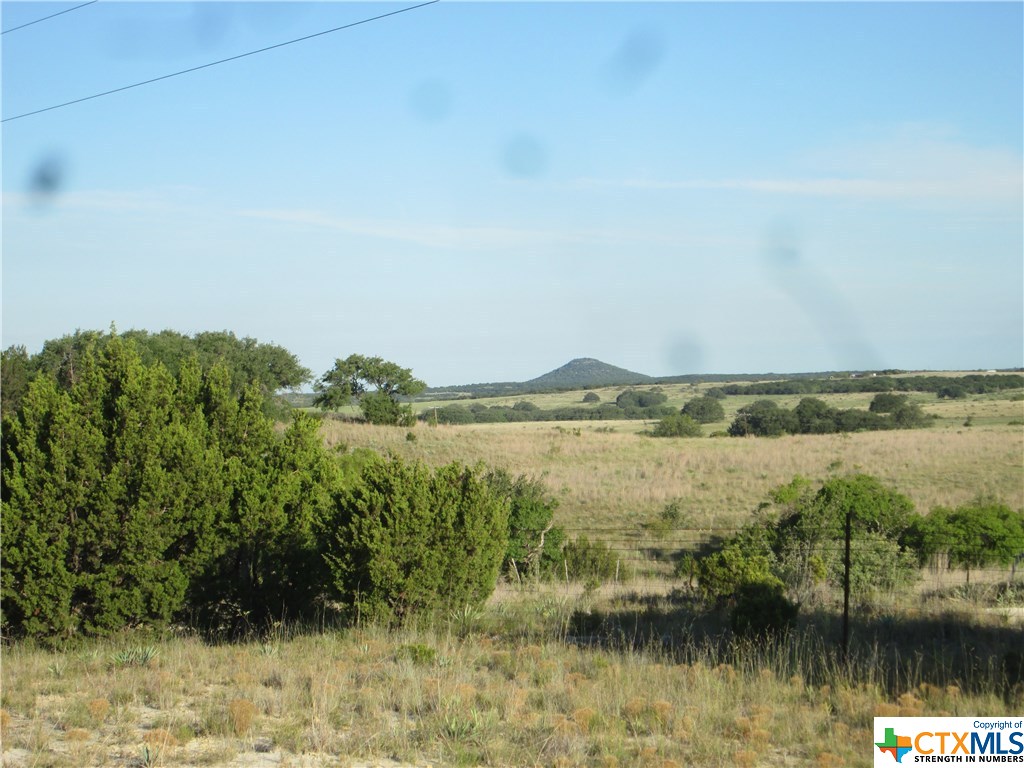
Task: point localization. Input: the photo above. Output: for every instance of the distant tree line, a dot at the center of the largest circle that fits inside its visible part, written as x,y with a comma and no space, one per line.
514,388
630,404
766,418
137,495
943,386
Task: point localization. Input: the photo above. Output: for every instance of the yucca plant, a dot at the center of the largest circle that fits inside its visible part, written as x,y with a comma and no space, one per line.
136,656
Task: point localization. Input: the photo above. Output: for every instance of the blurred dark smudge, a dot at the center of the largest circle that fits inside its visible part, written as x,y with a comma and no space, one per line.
171,30
636,58
271,17
524,156
686,355
431,101
210,23
46,179
824,305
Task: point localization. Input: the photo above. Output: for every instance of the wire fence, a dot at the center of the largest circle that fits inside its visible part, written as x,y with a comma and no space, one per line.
653,544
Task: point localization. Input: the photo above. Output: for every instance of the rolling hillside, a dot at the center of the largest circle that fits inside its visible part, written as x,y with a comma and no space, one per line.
587,372
581,373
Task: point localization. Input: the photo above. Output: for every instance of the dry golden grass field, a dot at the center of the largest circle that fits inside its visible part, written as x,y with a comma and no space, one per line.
557,674
620,478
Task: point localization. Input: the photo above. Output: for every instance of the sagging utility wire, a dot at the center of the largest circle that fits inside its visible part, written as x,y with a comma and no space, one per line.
221,61
52,15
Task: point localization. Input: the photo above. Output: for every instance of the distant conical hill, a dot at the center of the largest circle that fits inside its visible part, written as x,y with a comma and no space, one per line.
587,372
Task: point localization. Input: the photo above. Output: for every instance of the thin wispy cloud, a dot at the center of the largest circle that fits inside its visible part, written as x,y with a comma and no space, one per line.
463,237
162,200
905,167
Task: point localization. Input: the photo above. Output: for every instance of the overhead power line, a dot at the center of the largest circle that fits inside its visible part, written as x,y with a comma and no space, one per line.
221,61
52,15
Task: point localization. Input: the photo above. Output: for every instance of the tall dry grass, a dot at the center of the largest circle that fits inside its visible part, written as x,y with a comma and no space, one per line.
513,688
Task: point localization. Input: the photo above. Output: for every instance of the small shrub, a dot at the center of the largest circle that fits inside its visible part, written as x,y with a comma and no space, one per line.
671,517
98,709
722,573
241,713
159,738
677,425
585,560
409,539
761,610
419,654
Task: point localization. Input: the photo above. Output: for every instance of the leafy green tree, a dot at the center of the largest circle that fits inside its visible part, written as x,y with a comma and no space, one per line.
591,397
887,402
763,418
704,410
282,488
677,425
857,420
974,535
909,416
873,509
40,496
952,392
375,383
811,528
15,374
269,367
452,414
534,541
101,481
407,539
815,417
129,493
641,398
59,357
249,363
796,541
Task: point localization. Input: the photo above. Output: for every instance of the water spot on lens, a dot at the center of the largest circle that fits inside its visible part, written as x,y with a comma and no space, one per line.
47,177
637,57
431,101
685,355
210,23
825,306
781,247
524,156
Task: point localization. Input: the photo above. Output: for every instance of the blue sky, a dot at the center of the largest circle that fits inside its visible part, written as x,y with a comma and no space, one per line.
483,191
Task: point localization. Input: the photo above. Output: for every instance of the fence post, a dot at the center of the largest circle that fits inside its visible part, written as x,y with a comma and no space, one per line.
846,591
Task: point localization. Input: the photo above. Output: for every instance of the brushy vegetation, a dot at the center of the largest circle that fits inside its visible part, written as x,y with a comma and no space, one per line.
133,497
205,584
